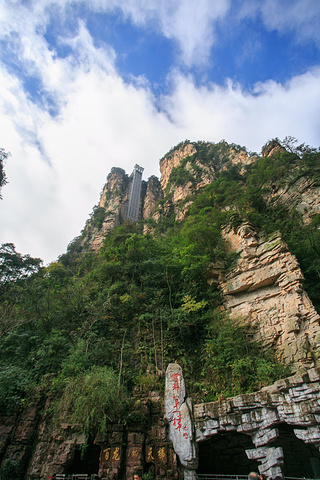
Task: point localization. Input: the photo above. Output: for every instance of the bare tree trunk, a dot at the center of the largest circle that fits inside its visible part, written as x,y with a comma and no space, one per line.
154,346
121,360
162,354
169,288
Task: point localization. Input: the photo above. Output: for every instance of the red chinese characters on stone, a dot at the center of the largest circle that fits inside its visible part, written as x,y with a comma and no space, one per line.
176,403
176,384
177,421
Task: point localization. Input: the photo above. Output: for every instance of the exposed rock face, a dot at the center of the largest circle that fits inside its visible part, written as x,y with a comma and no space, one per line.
114,200
271,148
303,195
17,434
188,169
172,160
180,417
54,451
153,195
292,401
298,192
265,288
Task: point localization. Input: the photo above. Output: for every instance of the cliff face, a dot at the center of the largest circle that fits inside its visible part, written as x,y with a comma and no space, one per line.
173,160
111,210
202,160
153,195
186,170
113,206
265,289
302,194
189,168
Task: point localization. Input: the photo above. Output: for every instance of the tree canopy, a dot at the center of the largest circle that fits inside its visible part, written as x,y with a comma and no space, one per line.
3,178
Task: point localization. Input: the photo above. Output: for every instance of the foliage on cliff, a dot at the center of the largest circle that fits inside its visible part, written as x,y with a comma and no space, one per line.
3,178
111,321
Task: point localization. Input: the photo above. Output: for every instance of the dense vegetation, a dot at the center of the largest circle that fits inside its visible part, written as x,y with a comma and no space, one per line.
90,329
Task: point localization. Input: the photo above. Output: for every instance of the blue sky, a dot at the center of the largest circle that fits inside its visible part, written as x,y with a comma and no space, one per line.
87,85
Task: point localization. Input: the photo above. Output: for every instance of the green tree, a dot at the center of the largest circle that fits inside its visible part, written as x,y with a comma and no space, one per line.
91,399
3,178
15,266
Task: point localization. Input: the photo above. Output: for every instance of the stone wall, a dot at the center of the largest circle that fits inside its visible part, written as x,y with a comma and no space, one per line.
294,401
39,450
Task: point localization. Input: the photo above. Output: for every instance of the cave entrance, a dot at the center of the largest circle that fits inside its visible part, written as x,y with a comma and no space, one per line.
300,459
86,461
224,453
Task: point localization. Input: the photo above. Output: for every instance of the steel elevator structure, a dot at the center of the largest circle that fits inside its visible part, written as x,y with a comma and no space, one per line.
134,199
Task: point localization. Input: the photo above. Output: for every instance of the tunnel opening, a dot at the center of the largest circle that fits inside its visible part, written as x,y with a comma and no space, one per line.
225,453
85,461
300,459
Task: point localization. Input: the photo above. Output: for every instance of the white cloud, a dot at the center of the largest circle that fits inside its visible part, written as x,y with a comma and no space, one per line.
271,110
59,164
106,123
302,17
190,24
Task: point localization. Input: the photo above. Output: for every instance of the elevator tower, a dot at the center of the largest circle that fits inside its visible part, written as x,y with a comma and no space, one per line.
134,199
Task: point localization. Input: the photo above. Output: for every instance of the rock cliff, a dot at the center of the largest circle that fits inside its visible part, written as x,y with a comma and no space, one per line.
303,194
113,206
112,210
265,289
152,196
189,168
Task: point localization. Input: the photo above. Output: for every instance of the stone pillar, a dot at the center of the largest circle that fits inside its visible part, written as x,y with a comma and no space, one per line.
271,459
179,413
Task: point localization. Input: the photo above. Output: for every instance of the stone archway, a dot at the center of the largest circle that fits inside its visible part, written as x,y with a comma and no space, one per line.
225,453
292,401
